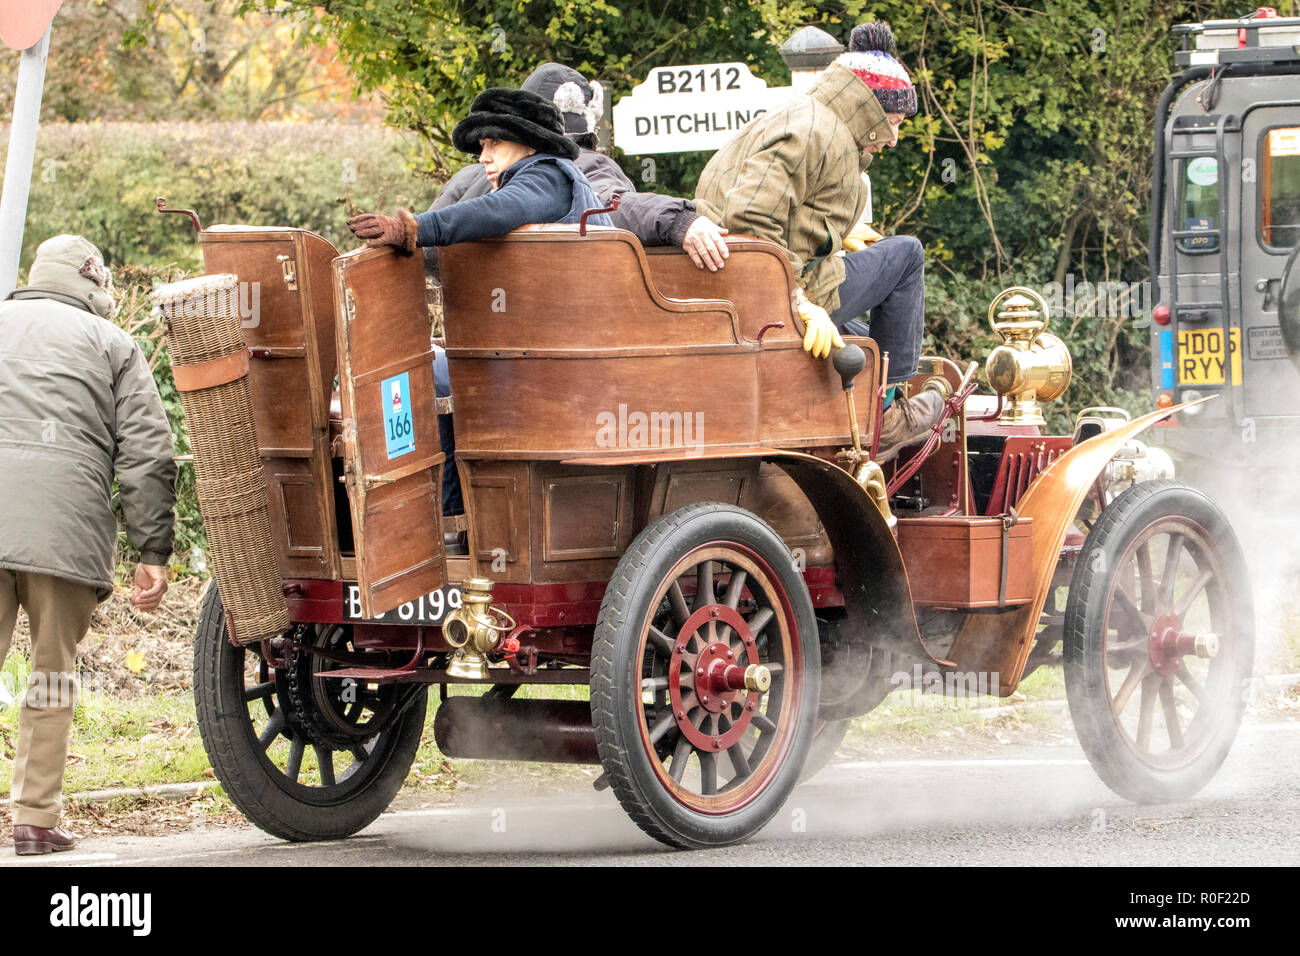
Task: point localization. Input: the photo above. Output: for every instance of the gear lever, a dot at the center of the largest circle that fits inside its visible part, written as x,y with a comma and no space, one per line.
849,363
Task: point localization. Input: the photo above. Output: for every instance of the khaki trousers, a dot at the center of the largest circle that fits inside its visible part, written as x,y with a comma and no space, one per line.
60,613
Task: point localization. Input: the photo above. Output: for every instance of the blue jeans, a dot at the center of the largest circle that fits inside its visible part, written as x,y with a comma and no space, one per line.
452,502
886,279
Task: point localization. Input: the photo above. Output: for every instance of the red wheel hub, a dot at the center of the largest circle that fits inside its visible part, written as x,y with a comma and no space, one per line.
1168,644
712,677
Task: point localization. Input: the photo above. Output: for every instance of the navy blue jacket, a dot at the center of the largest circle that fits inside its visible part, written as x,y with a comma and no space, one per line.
538,188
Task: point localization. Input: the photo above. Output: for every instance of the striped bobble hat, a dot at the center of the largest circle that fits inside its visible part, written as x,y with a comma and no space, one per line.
871,57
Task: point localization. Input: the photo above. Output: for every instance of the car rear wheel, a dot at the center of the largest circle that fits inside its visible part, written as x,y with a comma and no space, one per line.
704,676
302,756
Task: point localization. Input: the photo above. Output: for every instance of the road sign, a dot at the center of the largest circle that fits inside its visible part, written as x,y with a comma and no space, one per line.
23,22
699,107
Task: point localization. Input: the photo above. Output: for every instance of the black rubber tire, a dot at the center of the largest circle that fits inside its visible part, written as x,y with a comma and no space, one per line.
825,741
261,791
1132,770
617,661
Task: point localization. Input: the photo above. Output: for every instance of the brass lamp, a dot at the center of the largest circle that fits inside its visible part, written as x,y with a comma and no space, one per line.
1031,365
473,630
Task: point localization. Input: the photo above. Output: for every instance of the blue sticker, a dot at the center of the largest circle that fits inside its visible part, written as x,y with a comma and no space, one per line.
1167,359
399,435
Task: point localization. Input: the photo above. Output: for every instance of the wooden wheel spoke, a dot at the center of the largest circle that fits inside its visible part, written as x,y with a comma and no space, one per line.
1169,576
735,587
325,757
1191,683
294,770
659,642
739,761
677,601
1136,617
1172,727
1125,692
272,729
655,684
681,754
759,620
708,773
1185,602
1146,708
1146,579
703,585
664,724
764,723
259,691
1125,649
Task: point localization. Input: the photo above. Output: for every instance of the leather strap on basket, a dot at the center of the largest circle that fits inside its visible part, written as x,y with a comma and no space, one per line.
1008,522
218,371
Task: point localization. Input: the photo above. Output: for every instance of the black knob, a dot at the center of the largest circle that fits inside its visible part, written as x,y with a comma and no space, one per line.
849,362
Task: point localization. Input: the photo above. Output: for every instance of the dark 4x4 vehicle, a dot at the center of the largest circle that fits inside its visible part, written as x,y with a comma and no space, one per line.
1225,218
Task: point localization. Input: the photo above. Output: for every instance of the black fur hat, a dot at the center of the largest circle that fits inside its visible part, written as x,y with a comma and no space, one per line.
516,115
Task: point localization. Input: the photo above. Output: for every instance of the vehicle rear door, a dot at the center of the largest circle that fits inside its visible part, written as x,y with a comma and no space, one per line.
1270,229
392,455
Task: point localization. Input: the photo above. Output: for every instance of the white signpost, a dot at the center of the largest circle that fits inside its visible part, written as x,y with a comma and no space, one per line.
24,26
684,108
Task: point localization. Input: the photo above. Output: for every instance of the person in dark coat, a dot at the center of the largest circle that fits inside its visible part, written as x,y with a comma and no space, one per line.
519,140
528,163
655,219
78,408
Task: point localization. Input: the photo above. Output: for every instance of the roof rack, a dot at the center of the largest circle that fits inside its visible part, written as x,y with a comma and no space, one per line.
1262,37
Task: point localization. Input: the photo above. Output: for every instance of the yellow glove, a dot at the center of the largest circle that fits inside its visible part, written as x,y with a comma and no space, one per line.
860,237
820,334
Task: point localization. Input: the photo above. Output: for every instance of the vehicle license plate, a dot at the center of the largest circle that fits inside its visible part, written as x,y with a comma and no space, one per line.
428,608
1201,356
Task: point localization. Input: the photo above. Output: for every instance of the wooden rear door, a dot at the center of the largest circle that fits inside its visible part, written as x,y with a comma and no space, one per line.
392,457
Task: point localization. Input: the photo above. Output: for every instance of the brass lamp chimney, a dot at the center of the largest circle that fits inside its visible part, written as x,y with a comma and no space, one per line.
474,629
1031,365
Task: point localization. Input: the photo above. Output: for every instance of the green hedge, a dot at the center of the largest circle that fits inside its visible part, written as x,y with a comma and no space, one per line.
101,179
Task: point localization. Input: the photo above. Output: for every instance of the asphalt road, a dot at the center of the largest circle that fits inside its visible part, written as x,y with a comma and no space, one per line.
1019,806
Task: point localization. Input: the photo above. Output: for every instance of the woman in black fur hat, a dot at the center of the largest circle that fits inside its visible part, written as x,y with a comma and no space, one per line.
519,138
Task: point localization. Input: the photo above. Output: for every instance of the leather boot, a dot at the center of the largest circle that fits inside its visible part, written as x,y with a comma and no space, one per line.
34,841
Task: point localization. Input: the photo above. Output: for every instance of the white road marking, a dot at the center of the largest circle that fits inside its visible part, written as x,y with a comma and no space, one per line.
988,762
57,858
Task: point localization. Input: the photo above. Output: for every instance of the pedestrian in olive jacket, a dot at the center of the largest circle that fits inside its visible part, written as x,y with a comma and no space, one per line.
78,407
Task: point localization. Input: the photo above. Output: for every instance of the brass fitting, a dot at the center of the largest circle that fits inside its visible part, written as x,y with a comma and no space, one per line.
474,629
1031,365
871,477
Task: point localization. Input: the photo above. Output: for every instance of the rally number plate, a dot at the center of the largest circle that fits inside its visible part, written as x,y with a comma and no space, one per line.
428,608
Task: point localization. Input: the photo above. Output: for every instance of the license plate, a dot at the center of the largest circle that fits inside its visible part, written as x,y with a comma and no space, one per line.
428,608
1201,356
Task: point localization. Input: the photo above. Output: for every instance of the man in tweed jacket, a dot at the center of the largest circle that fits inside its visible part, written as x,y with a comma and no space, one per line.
794,176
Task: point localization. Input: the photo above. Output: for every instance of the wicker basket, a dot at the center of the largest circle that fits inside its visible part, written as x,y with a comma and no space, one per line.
210,365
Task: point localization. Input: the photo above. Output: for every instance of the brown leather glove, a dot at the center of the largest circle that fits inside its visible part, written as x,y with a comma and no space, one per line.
398,231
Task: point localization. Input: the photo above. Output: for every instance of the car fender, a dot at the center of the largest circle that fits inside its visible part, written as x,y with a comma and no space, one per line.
998,644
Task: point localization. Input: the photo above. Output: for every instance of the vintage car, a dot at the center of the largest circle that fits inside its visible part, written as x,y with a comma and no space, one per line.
671,504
